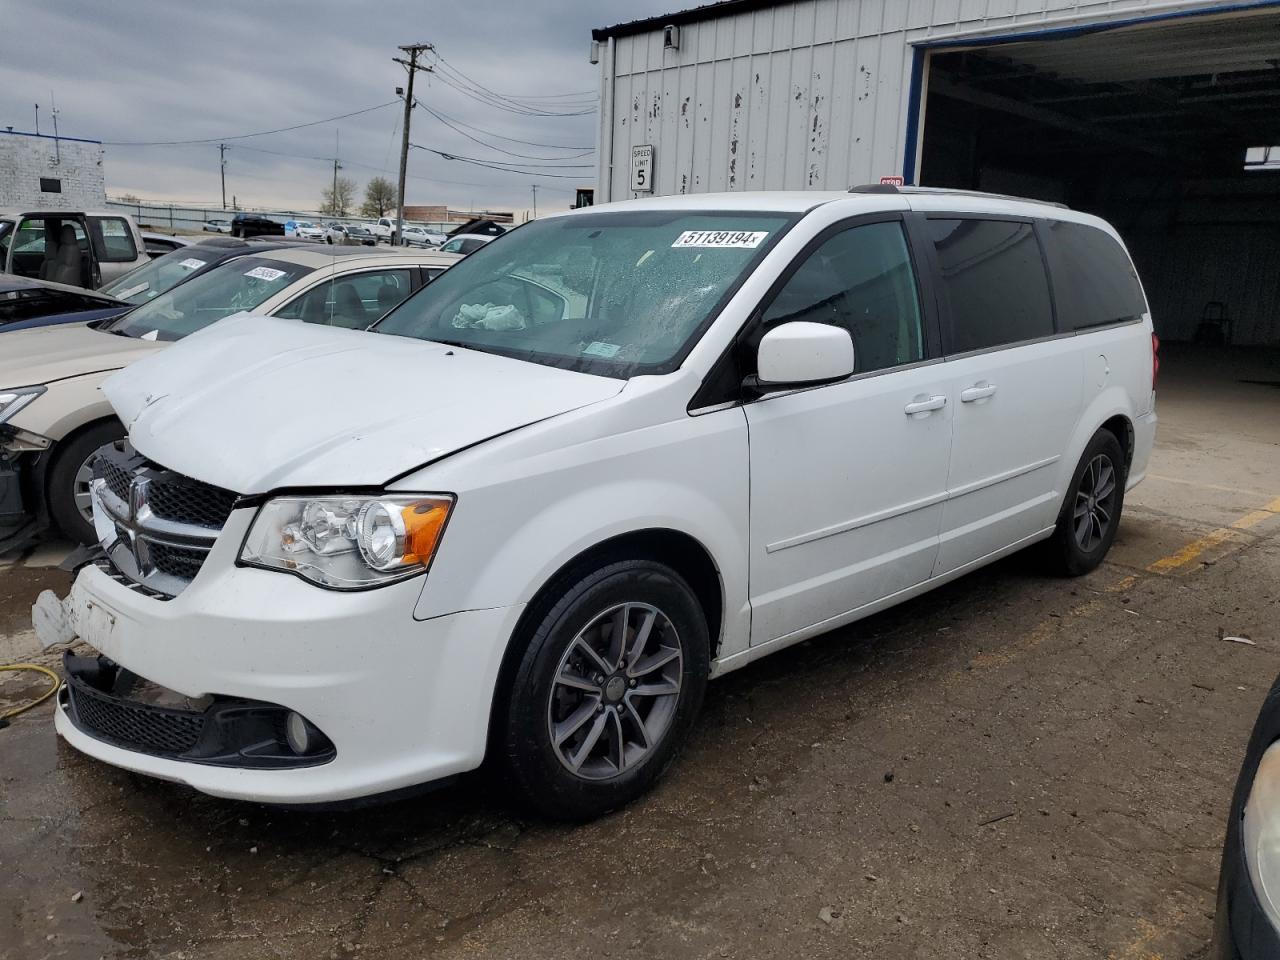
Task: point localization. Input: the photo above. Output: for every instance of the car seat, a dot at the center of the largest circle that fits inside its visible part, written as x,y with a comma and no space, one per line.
348,311
68,261
388,297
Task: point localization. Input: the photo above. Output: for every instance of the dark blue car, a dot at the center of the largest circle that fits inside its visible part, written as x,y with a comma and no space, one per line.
26,302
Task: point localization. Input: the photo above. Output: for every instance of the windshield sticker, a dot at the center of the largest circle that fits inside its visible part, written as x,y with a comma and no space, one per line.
264,273
150,335
131,291
600,349
749,239
191,263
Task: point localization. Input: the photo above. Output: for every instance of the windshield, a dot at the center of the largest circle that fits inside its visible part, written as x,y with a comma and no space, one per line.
236,285
608,293
154,278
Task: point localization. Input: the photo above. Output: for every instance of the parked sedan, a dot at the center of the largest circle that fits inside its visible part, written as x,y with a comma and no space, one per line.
1248,919
350,234
422,237
306,230
25,303
216,226
55,417
158,244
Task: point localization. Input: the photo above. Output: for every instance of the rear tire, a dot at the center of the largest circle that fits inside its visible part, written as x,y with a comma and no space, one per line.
1090,514
69,476
607,689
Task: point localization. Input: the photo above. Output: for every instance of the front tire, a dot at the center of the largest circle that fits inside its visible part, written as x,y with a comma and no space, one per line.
1090,515
607,689
69,478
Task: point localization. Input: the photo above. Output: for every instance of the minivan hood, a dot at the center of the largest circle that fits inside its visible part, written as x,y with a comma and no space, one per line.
48,354
253,404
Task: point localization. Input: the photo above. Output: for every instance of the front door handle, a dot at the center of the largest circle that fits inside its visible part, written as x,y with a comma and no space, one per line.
925,405
979,391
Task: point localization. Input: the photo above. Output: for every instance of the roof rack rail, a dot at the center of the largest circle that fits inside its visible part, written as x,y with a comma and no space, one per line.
951,192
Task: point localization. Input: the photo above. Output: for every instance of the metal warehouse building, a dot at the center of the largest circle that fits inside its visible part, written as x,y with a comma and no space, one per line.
1142,111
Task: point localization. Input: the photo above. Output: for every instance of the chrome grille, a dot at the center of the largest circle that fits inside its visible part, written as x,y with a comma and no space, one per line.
157,526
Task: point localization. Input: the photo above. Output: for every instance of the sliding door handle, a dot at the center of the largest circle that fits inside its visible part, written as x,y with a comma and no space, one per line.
925,405
979,391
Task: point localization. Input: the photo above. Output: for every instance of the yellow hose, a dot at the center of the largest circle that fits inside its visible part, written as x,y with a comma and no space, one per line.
33,668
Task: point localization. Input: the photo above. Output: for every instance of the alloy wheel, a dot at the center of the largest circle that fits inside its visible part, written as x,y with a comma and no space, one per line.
1095,503
615,691
81,492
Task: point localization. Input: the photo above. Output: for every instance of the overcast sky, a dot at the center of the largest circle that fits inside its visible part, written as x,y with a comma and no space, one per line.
151,70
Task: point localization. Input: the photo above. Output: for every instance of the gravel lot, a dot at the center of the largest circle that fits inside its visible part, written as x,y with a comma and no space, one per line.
1012,766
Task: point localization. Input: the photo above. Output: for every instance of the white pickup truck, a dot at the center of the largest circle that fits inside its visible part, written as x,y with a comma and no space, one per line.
383,228
80,248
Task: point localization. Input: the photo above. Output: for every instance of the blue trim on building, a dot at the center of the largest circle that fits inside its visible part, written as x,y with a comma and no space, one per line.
913,115
915,107
48,136
1085,29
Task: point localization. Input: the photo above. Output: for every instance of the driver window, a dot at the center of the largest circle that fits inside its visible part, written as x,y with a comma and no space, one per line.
860,279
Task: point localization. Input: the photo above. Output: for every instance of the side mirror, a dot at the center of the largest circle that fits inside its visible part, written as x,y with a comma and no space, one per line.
801,353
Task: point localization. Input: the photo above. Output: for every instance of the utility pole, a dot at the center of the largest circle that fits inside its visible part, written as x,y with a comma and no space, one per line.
534,188
333,197
412,50
222,167
37,119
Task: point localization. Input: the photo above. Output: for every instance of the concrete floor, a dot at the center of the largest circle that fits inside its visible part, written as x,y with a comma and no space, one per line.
1013,766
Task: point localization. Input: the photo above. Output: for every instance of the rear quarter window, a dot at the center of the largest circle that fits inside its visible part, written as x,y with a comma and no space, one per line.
994,282
1094,282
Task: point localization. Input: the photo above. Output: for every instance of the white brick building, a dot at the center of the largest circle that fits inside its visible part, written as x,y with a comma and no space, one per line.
40,172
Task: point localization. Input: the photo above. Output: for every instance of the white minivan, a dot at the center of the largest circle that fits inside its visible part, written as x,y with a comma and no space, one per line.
609,456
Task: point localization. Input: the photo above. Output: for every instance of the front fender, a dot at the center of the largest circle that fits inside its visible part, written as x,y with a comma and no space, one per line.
509,537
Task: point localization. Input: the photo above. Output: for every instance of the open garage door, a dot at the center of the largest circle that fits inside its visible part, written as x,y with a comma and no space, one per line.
1147,125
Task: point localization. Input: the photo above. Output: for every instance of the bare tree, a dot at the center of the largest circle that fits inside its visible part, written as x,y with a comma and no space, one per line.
337,200
379,198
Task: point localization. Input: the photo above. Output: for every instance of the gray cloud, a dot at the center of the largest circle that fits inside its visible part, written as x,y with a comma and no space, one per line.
149,70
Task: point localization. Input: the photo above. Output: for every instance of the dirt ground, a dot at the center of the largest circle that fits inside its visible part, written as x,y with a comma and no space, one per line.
1012,766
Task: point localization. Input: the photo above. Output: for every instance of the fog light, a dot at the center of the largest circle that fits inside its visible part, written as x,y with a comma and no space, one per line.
298,732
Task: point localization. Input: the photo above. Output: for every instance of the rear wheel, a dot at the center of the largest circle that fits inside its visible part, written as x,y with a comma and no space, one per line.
69,478
1090,515
607,690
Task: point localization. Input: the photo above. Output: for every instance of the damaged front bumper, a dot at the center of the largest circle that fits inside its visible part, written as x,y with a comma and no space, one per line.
24,511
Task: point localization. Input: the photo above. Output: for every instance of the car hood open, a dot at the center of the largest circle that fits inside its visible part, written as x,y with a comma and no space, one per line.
254,404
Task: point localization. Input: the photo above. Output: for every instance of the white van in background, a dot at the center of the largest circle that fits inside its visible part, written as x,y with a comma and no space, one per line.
610,455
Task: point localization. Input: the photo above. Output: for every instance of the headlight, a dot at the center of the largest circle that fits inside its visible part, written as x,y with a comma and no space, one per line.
1261,829
11,401
348,542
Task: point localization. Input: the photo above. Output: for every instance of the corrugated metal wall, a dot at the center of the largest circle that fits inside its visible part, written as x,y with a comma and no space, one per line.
811,94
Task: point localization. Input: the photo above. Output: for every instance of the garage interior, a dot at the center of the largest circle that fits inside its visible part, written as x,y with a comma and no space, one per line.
1146,125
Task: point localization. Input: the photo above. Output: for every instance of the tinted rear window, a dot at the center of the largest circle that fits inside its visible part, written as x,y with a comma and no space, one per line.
1094,282
993,277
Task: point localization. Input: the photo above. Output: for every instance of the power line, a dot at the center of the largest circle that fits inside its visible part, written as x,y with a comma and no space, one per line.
499,136
464,84
493,166
245,136
551,166
493,146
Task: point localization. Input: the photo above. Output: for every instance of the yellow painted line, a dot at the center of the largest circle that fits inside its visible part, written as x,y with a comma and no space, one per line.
1193,550
1196,548
1120,586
